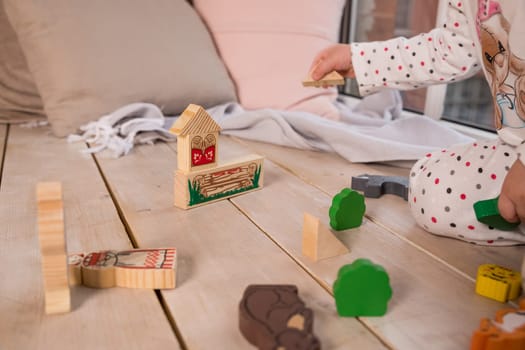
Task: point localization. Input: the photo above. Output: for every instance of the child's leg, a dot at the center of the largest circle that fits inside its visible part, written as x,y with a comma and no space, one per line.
445,185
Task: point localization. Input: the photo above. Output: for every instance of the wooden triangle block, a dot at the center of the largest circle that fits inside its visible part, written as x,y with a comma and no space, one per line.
318,241
332,78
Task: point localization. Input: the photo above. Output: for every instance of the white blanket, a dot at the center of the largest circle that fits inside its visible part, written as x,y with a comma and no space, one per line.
371,131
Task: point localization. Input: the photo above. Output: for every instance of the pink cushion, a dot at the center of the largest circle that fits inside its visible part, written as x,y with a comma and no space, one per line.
268,47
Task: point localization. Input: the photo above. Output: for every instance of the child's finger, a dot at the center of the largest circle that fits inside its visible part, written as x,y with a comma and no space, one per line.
507,209
322,68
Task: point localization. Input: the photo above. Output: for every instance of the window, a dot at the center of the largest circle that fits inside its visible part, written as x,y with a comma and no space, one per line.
467,102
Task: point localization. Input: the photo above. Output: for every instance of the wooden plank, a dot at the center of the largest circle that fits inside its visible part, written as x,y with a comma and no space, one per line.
432,306
220,253
100,319
390,212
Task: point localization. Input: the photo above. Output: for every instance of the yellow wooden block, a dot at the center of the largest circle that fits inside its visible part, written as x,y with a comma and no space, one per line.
498,283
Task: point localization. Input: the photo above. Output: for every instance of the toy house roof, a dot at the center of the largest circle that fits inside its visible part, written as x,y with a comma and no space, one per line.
194,120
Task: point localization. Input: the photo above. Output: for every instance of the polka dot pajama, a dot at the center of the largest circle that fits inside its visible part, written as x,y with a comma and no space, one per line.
445,184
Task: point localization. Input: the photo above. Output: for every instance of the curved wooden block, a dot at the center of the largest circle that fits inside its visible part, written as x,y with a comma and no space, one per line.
374,186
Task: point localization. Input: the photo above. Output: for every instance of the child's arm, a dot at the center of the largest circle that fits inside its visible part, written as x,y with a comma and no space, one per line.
443,55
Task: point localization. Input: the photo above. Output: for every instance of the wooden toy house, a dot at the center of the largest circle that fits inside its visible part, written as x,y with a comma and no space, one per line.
197,135
200,178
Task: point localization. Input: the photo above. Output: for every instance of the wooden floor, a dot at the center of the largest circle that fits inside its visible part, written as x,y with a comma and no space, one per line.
223,247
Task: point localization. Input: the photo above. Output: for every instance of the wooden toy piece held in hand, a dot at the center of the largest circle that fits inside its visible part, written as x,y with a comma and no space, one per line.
347,210
332,78
274,317
374,186
136,268
487,212
53,247
505,332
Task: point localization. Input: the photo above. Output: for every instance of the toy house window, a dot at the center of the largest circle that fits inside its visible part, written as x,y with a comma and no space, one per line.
203,150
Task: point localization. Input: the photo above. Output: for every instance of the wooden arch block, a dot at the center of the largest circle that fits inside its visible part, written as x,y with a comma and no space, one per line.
318,241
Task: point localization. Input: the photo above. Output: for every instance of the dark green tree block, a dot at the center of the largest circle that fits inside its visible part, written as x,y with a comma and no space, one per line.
487,212
347,210
362,289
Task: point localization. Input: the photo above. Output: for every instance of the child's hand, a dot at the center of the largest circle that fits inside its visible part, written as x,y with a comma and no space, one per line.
511,202
336,57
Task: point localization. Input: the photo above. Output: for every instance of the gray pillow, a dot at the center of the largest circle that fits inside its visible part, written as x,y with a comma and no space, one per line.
19,98
89,58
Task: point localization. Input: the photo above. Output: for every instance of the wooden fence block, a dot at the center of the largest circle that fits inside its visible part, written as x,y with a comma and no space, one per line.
192,189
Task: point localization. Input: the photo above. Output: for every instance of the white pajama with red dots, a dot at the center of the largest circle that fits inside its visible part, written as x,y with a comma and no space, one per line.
476,35
445,184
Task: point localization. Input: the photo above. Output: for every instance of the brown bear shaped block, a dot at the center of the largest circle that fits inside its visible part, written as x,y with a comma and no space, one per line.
273,317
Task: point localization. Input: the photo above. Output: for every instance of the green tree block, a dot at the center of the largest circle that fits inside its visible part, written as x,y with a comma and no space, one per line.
362,289
347,210
487,212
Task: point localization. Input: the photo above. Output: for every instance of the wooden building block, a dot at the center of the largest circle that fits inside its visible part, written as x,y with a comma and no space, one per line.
74,266
487,212
273,317
362,289
505,332
197,139
53,247
374,186
201,187
136,268
347,210
318,241
332,78
498,283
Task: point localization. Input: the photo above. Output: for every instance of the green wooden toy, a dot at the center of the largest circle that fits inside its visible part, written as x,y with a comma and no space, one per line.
362,289
347,210
487,212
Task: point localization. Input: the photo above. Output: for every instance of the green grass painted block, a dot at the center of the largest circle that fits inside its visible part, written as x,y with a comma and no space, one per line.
487,212
196,197
362,289
347,210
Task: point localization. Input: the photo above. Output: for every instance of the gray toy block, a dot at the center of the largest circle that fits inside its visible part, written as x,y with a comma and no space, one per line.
374,186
